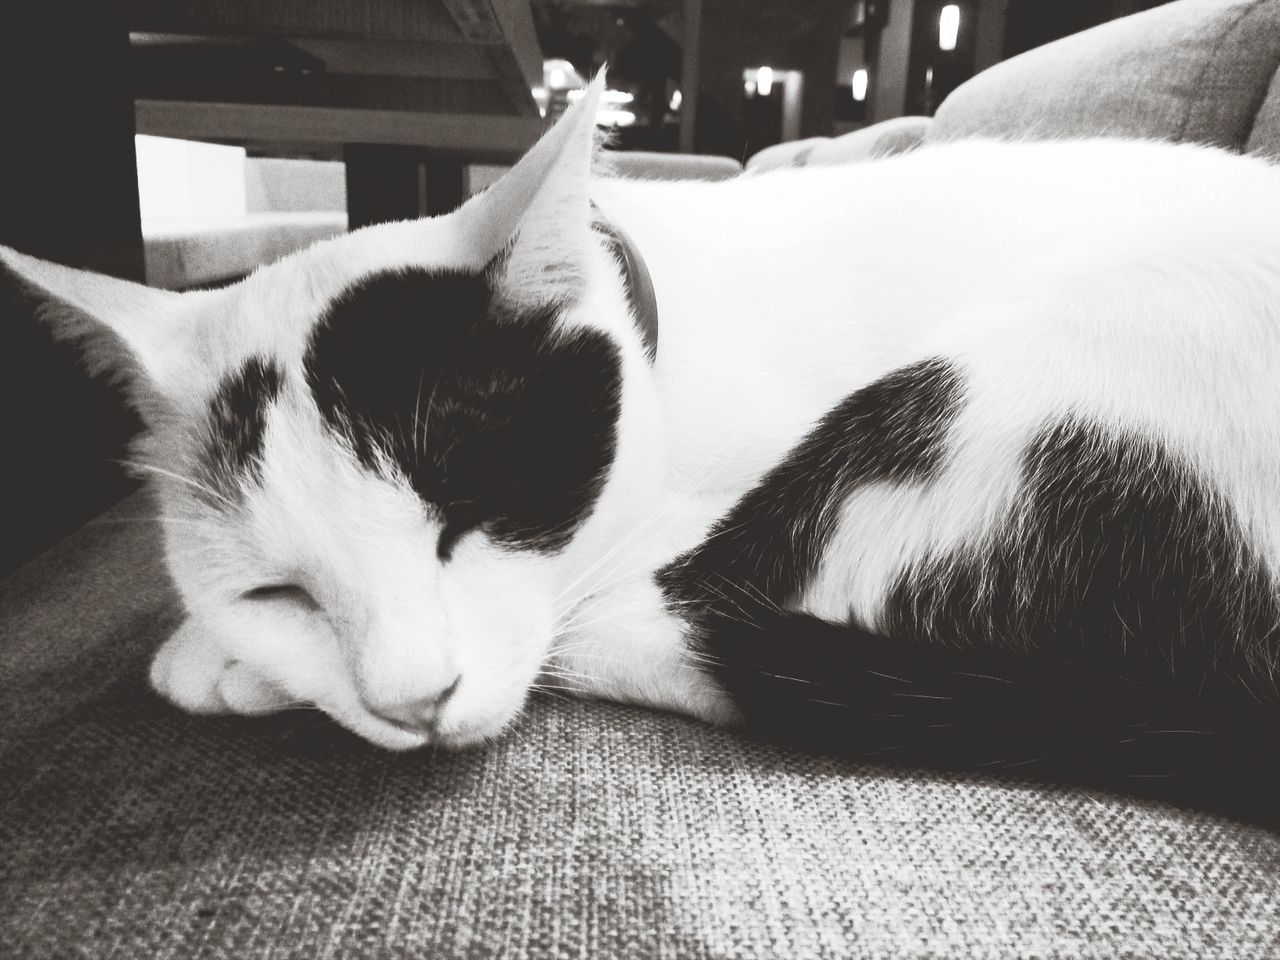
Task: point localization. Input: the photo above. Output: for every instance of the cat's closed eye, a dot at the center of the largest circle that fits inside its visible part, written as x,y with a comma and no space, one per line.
282,593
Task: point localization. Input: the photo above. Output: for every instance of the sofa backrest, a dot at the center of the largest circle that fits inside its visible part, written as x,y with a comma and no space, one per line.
1201,71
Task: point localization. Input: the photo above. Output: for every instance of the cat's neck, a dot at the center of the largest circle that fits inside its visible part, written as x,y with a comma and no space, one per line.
746,357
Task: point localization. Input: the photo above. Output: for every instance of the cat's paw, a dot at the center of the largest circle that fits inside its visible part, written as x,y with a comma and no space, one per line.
192,671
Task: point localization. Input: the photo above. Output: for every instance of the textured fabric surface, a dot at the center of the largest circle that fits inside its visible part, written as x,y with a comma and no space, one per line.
596,831
1264,139
1194,70
80,615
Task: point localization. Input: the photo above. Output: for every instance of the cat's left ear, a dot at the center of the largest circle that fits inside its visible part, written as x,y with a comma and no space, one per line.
535,222
124,330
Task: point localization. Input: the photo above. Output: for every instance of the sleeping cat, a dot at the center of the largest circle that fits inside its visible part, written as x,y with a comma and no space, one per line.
967,457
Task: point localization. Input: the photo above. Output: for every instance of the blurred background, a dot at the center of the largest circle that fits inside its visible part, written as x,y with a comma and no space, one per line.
184,143
181,142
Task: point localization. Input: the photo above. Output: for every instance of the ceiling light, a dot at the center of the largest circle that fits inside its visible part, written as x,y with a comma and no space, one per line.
948,27
859,85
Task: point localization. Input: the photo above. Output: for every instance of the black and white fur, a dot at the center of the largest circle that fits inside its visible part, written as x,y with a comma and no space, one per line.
969,457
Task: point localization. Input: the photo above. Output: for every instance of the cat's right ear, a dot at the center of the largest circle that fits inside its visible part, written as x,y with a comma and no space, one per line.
125,331
536,220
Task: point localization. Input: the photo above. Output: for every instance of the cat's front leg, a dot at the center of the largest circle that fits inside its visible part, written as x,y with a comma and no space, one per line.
194,671
625,644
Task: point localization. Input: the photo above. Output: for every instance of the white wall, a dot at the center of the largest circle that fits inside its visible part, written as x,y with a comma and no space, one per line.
186,180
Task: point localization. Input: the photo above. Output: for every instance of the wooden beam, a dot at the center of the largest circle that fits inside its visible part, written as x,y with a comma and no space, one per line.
479,137
477,20
511,77
336,19
399,58
509,37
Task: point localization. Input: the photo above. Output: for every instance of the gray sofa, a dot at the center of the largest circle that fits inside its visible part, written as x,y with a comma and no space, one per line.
1194,70
130,830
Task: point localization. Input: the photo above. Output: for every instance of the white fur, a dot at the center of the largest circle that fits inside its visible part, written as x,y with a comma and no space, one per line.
1135,283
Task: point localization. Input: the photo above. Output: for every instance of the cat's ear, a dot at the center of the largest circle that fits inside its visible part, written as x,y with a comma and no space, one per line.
535,222
125,331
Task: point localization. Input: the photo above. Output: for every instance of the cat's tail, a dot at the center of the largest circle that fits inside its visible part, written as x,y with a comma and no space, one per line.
837,689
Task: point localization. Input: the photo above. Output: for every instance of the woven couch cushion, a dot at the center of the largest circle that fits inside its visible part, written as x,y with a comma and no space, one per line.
1264,139
131,830
1194,70
594,830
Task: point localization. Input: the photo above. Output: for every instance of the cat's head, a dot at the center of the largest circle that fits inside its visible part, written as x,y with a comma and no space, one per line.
384,463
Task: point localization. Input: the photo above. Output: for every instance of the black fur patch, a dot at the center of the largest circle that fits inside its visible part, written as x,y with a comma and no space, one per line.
774,537
497,420
1115,557
236,423
1125,643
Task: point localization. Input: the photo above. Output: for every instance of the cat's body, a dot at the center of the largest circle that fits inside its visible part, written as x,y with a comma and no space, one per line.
1056,418
926,441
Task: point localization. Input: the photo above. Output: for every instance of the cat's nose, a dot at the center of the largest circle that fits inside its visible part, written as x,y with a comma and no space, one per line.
420,715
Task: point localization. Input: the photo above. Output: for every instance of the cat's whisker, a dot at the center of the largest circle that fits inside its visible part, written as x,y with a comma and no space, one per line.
196,485
609,555
750,589
622,575
645,568
431,402
206,525
552,691
583,620
558,668
417,412
598,589
668,504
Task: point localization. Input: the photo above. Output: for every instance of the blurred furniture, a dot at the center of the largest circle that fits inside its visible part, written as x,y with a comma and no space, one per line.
1202,71
595,830
406,91
211,214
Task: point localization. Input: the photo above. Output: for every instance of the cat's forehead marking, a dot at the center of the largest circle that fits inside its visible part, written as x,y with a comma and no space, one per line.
236,424
471,399
375,342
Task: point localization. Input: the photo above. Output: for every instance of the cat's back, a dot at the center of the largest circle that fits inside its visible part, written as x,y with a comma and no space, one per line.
982,194
980,219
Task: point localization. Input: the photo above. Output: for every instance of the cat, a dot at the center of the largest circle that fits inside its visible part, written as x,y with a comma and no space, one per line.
968,456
